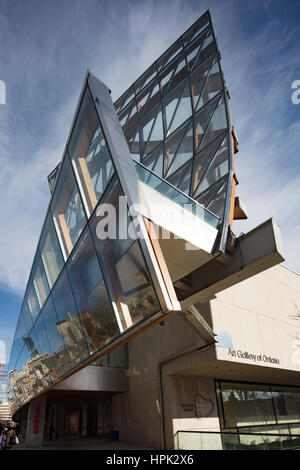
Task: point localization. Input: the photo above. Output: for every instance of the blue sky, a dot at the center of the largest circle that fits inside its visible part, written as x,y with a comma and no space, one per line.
45,50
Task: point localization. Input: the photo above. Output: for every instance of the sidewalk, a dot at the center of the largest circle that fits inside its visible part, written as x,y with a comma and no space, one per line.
85,443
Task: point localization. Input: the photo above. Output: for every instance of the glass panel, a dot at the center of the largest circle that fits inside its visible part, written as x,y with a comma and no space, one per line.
116,358
202,160
179,74
193,50
198,78
207,196
217,125
171,146
132,118
146,78
183,110
208,48
164,188
154,160
69,323
217,203
31,344
125,269
184,151
176,48
151,130
26,317
57,347
89,154
67,209
246,404
218,167
32,302
40,281
20,333
287,404
96,314
144,102
212,86
177,176
50,252
194,30
202,119
171,102
47,369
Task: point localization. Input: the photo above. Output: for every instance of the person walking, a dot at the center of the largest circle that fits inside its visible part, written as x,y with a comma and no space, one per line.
3,439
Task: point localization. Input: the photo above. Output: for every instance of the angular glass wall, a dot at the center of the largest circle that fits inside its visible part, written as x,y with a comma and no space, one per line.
85,290
175,119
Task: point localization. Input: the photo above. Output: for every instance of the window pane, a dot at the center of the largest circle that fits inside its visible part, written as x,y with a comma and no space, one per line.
287,404
69,323
32,302
50,252
96,314
46,367
56,342
89,154
129,280
247,404
67,209
40,281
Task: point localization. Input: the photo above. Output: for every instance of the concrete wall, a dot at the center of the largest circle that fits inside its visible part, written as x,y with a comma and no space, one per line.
257,315
260,315
137,414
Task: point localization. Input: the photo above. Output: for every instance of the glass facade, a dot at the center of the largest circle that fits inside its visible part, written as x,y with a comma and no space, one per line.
85,291
252,407
175,119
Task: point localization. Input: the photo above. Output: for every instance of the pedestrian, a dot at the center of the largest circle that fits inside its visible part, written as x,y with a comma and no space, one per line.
10,437
3,439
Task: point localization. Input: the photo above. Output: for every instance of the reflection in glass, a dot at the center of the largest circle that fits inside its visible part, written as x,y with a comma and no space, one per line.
67,209
129,280
50,252
40,281
56,342
69,323
247,404
287,404
96,314
89,154
32,302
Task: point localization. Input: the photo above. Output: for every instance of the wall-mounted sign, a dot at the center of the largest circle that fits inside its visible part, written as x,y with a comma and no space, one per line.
256,358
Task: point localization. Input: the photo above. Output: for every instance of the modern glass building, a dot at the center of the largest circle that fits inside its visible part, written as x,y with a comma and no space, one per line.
138,229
